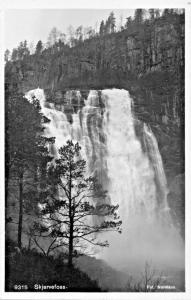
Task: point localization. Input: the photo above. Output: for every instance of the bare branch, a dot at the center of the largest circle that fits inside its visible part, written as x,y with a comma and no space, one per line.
49,248
37,244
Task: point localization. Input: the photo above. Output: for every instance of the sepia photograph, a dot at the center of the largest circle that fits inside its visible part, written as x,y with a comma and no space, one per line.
94,150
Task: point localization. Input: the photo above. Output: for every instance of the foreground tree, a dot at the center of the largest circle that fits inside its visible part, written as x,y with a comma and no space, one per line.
76,209
26,152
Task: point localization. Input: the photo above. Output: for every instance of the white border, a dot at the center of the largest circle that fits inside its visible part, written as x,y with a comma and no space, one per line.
188,147
2,196
100,4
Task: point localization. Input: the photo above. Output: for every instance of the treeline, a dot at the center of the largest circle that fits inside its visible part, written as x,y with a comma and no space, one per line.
75,36
109,57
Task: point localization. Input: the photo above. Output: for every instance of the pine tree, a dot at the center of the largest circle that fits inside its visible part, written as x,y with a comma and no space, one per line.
26,149
72,201
128,22
79,33
23,50
102,28
112,22
152,13
14,55
39,48
139,14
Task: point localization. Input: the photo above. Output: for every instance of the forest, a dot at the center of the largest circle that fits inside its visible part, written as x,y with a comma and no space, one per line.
47,199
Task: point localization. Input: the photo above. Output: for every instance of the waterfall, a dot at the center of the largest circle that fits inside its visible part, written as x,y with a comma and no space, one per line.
138,184
156,161
129,168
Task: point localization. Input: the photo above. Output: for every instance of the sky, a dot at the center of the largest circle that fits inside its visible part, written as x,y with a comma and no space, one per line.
35,24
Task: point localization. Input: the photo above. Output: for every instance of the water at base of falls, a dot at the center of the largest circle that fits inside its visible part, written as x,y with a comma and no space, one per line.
130,169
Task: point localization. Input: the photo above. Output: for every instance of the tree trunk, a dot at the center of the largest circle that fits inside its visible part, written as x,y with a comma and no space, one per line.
29,243
20,210
70,256
7,171
6,194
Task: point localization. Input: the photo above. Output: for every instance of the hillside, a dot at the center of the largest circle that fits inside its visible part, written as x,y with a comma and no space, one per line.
29,270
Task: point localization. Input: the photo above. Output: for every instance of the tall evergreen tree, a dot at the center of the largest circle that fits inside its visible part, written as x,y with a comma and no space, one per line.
23,50
39,47
14,55
152,13
26,150
128,22
71,204
79,33
112,22
102,28
157,13
139,15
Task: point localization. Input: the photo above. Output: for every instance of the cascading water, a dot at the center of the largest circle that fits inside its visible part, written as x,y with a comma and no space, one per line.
129,168
138,184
